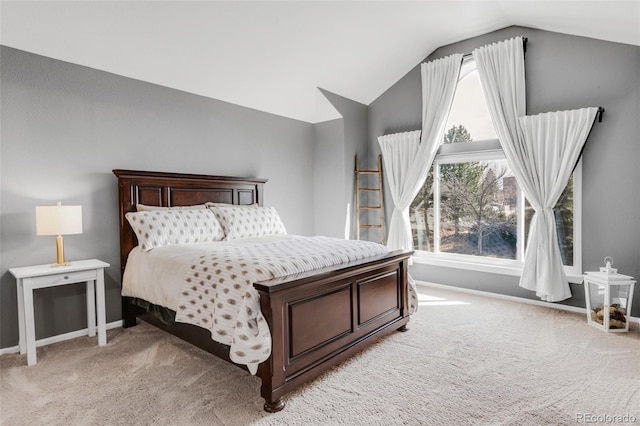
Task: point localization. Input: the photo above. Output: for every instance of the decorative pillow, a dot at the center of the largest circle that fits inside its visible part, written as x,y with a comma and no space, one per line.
248,221
157,228
145,207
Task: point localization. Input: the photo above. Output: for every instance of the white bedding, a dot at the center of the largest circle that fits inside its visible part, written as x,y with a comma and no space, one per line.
210,284
157,276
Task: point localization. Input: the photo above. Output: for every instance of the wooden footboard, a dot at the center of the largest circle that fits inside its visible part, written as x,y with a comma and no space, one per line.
318,320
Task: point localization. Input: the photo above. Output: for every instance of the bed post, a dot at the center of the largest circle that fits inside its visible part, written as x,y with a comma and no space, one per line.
405,277
129,313
128,317
272,370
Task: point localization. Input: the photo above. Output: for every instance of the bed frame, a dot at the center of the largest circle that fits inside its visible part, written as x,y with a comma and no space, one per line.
317,319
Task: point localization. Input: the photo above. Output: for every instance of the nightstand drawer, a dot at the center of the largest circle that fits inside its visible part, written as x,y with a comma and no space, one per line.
61,278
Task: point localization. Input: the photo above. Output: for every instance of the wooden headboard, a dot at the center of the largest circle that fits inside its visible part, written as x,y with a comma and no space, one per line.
177,189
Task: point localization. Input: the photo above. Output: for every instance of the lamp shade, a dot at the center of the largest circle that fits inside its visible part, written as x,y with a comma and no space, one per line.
58,220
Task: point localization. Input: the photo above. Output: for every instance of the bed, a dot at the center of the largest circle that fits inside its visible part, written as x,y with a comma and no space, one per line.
350,305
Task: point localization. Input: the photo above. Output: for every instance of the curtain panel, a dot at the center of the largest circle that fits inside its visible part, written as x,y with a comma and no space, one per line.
552,144
408,156
399,151
541,151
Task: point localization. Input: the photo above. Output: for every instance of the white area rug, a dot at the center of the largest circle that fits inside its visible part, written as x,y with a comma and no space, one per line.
466,359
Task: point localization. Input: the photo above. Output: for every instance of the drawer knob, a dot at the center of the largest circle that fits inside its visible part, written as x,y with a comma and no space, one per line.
66,277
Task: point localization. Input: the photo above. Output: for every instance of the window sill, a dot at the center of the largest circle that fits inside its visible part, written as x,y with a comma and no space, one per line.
422,259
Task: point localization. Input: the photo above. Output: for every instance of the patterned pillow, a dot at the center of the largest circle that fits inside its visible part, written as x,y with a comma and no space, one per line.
157,228
248,221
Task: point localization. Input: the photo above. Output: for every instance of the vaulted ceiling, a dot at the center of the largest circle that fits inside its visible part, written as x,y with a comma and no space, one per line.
274,55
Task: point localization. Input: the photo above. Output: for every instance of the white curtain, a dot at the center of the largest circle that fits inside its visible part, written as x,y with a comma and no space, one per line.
552,144
542,158
399,151
408,156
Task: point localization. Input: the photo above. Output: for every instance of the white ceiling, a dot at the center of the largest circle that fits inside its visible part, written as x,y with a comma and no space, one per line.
274,55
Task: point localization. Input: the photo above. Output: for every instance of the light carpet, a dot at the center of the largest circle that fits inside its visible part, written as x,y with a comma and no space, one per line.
466,359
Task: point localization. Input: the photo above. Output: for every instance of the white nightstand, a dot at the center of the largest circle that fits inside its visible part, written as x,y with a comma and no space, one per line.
30,278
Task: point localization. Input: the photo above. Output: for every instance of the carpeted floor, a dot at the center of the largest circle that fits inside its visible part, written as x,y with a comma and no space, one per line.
466,359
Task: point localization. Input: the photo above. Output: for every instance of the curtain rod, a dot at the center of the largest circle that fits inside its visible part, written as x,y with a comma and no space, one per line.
524,46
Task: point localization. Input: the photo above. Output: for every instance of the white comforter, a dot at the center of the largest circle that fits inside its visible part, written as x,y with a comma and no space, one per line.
211,284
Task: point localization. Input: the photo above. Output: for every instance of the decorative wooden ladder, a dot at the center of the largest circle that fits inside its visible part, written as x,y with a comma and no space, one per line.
379,207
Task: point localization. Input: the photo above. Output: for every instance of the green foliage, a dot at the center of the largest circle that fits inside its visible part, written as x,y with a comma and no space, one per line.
457,134
457,182
483,202
455,178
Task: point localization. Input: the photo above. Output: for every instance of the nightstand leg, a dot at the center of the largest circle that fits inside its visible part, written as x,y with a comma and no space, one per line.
91,308
30,327
102,317
22,338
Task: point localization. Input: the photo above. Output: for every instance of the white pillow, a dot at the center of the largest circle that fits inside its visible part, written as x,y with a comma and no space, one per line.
248,221
157,228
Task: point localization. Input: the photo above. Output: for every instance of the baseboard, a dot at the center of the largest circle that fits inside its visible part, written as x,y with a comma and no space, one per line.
59,338
514,299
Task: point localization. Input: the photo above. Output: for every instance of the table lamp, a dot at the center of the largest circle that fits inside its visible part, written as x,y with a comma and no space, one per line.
59,220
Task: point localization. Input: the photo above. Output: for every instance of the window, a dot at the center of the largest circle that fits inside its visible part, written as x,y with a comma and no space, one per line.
477,215
470,208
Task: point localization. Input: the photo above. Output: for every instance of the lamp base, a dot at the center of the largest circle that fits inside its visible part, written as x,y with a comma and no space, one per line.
59,253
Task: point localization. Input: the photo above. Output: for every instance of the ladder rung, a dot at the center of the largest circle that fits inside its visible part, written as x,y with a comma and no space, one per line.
360,191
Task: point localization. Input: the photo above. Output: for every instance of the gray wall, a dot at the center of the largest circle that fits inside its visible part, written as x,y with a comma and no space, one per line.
328,184
563,72
336,144
64,127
